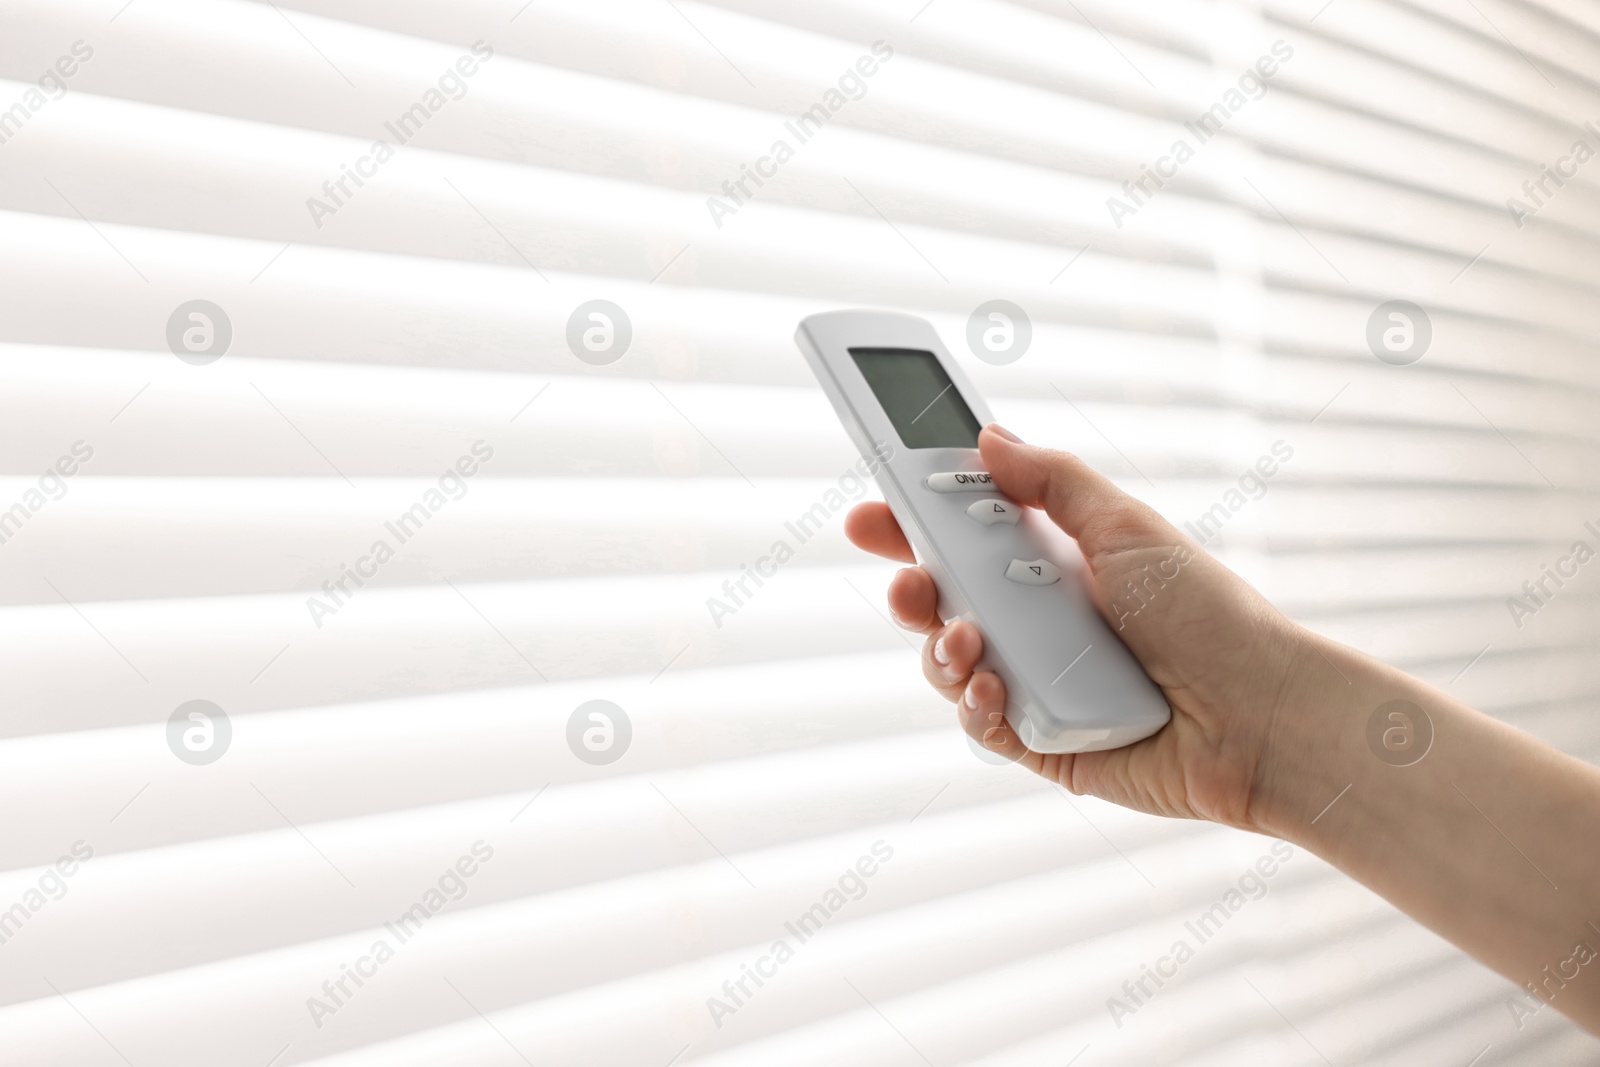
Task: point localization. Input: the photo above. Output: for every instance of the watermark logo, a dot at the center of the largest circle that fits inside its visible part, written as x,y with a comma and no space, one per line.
199,332
599,332
1579,154
1399,733
450,888
851,485
1252,85
1552,979
51,885
999,332
52,486
1141,588
52,86
199,732
449,86
1250,886
987,755
1252,487
1537,593
850,886
451,485
1399,332
851,85
599,732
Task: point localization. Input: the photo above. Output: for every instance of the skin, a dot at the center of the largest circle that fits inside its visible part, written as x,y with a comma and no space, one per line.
1490,837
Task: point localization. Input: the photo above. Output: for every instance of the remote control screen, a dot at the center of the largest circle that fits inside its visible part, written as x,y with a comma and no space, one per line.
919,397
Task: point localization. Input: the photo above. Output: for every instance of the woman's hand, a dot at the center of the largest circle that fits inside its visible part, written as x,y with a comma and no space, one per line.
1224,657
1485,834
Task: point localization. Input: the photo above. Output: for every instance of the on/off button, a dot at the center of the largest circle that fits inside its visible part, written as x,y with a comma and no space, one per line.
961,482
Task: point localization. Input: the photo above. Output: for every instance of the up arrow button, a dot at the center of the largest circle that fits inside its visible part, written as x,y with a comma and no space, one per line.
995,512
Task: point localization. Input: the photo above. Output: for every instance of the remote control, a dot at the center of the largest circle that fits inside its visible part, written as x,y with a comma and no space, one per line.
1071,685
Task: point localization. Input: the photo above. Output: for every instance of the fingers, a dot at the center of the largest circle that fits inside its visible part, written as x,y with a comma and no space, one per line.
949,656
1080,500
948,659
914,602
871,526
981,711
950,652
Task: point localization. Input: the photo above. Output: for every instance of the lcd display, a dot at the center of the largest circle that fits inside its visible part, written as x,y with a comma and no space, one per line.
919,397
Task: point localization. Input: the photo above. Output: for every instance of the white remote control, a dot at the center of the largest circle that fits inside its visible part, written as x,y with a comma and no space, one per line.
1071,685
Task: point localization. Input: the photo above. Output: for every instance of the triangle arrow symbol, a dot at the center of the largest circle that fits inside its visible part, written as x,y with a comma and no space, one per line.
1036,570
999,510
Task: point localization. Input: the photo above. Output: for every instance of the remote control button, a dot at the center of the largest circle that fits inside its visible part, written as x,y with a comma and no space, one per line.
961,482
994,512
1033,572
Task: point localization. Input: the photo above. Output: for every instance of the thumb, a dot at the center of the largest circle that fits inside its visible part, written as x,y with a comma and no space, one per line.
1078,498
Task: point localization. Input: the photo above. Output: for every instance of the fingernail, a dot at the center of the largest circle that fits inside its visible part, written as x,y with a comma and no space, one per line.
941,655
1003,432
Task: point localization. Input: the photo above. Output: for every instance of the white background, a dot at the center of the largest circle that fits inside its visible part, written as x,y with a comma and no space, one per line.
768,754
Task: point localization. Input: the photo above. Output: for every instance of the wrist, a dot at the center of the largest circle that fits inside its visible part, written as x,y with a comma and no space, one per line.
1314,743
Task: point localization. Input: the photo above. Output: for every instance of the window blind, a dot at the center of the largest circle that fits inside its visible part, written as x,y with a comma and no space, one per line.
288,282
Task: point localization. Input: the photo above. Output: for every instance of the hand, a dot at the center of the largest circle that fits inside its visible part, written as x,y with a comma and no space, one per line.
1269,733
1221,654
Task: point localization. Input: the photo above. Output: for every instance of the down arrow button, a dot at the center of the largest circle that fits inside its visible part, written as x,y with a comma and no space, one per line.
1033,572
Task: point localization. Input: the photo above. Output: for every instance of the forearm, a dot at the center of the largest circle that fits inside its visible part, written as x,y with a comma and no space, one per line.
1486,835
